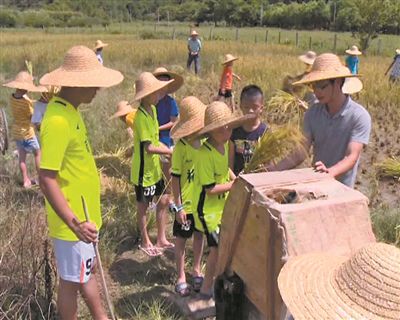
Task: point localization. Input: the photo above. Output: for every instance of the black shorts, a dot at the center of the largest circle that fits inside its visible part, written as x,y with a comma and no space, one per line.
213,238
184,231
146,194
227,94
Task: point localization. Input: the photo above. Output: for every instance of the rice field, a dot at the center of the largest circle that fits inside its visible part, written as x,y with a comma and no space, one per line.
27,278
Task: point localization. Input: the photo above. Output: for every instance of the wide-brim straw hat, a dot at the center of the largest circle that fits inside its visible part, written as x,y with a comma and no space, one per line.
123,108
354,51
191,118
326,66
194,33
81,68
24,81
147,84
218,115
324,286
397,51
229,58
352,85
100,44
178,80
308,57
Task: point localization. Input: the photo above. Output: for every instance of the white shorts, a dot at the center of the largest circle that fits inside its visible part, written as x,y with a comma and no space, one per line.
75,260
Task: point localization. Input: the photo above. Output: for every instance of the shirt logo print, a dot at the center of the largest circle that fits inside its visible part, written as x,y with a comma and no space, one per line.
190,175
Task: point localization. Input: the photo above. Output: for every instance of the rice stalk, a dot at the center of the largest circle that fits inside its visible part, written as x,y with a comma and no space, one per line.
274,146
389,168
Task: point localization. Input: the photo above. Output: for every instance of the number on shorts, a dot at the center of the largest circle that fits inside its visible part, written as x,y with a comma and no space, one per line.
149,191
89,266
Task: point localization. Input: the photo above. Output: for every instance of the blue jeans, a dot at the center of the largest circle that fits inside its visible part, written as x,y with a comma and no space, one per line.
196,59
29,145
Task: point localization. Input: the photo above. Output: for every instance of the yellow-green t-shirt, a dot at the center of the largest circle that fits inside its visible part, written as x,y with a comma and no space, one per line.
66,149
211,168
183,164
146,168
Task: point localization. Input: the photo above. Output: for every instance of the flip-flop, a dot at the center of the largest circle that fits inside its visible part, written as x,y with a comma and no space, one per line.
170,247
151,252
197,281
182,289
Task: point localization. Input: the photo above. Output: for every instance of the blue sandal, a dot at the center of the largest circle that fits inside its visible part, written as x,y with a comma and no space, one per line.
197,282
182,289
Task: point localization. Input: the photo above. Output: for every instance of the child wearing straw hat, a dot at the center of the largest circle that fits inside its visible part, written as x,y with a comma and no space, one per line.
352,60
146,173
365,285
41,105
337,127
395,66
213,180
184,158
194,46
22,129
226,83
126,114
69,177
98,48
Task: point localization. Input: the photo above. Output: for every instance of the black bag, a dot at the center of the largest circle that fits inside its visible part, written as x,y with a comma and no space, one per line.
229,297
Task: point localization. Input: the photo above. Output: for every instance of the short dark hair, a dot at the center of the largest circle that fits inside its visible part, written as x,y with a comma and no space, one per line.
251,91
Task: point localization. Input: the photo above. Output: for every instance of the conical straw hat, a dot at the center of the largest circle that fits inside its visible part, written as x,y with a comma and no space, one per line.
308,57
99,44
178,80
194,33
326,66
81,68
123,108
147,84
352,85
324,286
229,58
24,81
218,115
191,118
354,51
397,51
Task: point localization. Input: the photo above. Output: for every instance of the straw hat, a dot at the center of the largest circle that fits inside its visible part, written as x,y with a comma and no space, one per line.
147,84
325,286
354,51
218,115
123,108
326,66
100,44
308,58
24,81
194,33
352,85
178,80
397,51
191,118
229,58
81,68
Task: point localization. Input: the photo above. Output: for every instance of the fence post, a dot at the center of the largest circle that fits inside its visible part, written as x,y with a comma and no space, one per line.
155,27
297,39
310,43
211,34
279,37
237,34
334,43
266,36
173,34
379,46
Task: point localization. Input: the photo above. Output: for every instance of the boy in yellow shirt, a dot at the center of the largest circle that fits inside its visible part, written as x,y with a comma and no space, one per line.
68,176
184,158
22,129
146,173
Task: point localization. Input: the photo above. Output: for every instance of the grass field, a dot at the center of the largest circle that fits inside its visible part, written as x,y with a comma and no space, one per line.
27,278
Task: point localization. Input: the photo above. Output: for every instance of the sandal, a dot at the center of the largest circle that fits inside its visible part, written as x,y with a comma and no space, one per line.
170,247
150,251
182,289
197,281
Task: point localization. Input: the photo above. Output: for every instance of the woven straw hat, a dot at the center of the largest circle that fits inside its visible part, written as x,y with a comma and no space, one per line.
24,81
229,58
323,286
191,118
218,115
352,85
123,108
178,80
326,66
308,57
397,51
194,33
100,44
81,68
147,84
354,51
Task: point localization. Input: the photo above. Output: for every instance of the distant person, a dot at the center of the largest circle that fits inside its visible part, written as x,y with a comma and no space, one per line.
126,114
395,66
352,60
98,48
226,83
336,126
41,105
194,47
22,129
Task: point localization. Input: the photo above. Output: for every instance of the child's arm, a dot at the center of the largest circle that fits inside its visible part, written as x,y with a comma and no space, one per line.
219,188
161,149
168,125
176,191
231,155
236,76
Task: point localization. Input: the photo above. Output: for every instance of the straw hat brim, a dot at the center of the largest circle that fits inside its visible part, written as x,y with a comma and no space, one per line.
101,46
354,53
174,86
352,85
306,60
398,51
229,60
122,112
183,129
233,122
100,77
306,286
314,76
24,86
144,93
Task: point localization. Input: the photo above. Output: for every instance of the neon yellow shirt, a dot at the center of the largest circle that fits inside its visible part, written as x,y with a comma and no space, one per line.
184,158
146,168
66,149
211,168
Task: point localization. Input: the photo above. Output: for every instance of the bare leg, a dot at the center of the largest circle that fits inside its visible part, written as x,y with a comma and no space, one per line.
37,155
162,217
180,259
198,245
67,300
23,168
90,293
210,271
142,222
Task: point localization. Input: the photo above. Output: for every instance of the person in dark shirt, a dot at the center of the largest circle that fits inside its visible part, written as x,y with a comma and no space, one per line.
244,138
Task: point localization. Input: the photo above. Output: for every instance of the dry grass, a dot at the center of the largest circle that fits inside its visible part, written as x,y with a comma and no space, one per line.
389,168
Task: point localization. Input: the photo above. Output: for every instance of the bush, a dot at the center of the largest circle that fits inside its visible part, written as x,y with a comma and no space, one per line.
37,19
7,19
